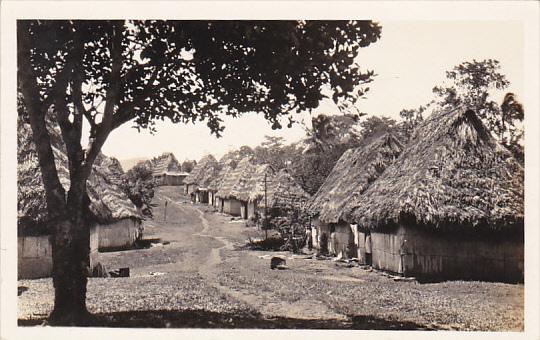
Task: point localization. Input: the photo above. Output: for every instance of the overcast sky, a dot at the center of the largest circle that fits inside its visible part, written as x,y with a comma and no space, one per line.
409,59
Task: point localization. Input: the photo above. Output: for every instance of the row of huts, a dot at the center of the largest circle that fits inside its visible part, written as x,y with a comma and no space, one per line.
115,222
449,204
244,189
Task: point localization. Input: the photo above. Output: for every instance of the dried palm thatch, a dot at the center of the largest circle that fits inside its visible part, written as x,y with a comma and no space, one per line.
108,203
243,169
203,173
353,173
256,182
167,162
453,174
252,181
215,183
283,192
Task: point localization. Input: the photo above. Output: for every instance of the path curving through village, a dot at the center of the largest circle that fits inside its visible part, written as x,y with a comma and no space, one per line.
196,274
302,309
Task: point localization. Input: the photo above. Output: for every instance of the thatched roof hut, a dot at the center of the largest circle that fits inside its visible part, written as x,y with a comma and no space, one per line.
243,169
452,173
283,192
108,201
250,187
353,173
165,163
215,183
203,173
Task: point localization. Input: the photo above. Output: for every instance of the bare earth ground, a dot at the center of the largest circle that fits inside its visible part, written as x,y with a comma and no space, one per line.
200,280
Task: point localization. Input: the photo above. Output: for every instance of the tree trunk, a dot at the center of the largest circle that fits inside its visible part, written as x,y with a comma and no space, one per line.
71,263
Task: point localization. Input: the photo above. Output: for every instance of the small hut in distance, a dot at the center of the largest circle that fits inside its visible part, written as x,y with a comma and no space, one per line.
283,194
166,170
196,183
451,206
253,188
227,195
215,185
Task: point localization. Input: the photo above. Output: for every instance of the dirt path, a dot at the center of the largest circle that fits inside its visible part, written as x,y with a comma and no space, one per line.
196,277
302,309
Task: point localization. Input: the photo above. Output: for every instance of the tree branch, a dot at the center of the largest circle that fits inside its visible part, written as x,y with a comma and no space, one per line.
54,192
126,112
104,128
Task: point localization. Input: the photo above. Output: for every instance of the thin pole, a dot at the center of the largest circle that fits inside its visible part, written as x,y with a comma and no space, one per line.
265,210
165,214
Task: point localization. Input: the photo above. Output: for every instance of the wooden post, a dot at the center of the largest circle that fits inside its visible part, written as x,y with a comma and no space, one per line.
265,224
165,213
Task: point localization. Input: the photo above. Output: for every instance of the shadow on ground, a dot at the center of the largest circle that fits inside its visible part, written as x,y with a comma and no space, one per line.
205,319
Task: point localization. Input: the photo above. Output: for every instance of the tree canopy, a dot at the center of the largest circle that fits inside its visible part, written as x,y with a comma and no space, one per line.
111,72
470,84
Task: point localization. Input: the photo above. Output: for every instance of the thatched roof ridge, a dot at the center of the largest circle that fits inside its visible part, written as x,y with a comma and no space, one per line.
203,172
231,179
215,183
283,192
453,173
352,175
255,185
167,162
251,181
108,201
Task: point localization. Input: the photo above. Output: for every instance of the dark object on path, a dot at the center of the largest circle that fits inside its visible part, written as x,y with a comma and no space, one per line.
278,262
147,242
122,272
99,270
21,289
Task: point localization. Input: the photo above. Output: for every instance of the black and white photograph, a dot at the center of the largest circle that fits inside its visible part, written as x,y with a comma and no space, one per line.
262,166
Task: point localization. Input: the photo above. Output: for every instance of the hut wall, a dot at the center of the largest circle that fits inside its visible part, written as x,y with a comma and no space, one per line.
431,255
211,198
219,204
201,197
244,210
34,255
172,180
321,228
190,189
186,188
360,241
231,206
315,237
119,235
251,209
385,249
344,240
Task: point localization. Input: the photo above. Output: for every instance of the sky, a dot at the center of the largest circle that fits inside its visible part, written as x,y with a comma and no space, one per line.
410,58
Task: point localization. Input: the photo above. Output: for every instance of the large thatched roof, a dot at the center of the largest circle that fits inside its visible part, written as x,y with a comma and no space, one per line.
452,174
351,176
108,202
203,173
283,192
233,177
